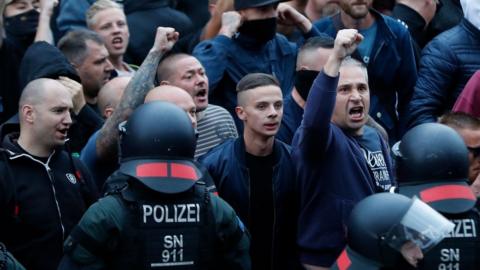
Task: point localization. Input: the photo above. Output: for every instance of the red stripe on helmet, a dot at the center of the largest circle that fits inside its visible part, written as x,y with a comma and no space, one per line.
343,261
183,171
155,169
447,192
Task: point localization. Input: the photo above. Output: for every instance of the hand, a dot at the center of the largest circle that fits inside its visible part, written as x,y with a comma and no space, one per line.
346,43
231,21
165,39
287,15
223,6
47,6
76,90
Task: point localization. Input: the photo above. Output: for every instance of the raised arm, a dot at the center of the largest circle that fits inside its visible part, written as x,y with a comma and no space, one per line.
314,133
134,95
44,32
213,53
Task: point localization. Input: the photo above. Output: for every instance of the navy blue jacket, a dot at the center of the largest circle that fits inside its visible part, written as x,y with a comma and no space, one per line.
227,166
332,175
447,64
391,70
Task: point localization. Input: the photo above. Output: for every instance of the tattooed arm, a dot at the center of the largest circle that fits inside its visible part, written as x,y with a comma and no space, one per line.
137,88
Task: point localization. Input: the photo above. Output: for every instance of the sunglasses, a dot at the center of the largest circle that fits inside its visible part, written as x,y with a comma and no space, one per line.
475,151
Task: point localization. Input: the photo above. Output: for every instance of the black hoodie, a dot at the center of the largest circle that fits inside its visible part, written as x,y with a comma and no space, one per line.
42,60
41,200
143,18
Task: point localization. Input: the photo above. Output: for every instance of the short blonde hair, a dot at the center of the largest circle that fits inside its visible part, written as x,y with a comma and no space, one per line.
97,7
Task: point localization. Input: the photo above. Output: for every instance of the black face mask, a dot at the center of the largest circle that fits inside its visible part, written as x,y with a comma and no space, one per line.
260,30
304,80
22,26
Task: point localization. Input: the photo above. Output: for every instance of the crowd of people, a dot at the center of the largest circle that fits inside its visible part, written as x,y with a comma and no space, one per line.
239,134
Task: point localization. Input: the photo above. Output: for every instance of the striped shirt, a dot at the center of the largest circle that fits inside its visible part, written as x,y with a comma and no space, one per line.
214,127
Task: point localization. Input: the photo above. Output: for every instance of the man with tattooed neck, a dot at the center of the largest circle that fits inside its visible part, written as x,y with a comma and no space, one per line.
247,42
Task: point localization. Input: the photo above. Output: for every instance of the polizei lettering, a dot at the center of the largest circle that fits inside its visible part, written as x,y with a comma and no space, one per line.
464,228
175,213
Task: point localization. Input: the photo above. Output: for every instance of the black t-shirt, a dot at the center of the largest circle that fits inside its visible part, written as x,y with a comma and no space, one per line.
261,213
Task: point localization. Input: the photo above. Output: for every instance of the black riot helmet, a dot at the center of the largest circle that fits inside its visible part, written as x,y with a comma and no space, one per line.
432,163
157,130
381,224
157,146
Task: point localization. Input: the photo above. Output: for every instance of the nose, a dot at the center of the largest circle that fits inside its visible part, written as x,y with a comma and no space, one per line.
272,111
108,66
116,28
201,79
418,255
355,95
67,120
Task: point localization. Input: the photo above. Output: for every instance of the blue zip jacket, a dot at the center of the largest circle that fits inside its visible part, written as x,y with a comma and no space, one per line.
227,166
332,175
447,64
391,70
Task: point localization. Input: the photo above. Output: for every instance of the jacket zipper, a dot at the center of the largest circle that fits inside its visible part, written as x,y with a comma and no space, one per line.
377,52
52,182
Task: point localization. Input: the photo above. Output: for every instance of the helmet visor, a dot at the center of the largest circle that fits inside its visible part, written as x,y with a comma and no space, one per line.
421,225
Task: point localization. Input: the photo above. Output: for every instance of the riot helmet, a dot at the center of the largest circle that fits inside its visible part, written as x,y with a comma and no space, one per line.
157,145
381,224
432,163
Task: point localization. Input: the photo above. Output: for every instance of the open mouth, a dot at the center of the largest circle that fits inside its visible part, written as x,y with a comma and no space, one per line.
201,93
271,126
356,113
63,132
117,41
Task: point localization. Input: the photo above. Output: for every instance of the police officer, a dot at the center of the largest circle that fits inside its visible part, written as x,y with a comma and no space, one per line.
432,164
165,218
384,227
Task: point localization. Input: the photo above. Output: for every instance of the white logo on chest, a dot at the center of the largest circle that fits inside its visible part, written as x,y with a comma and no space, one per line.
71,178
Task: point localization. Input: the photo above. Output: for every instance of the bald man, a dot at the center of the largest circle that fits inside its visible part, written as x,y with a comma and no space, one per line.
102,168
177,96
214,124
44,191
110,95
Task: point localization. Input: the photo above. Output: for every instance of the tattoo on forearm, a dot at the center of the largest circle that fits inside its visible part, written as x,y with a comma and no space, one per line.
133,96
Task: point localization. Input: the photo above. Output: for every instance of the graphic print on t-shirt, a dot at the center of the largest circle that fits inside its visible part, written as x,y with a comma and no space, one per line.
378,167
